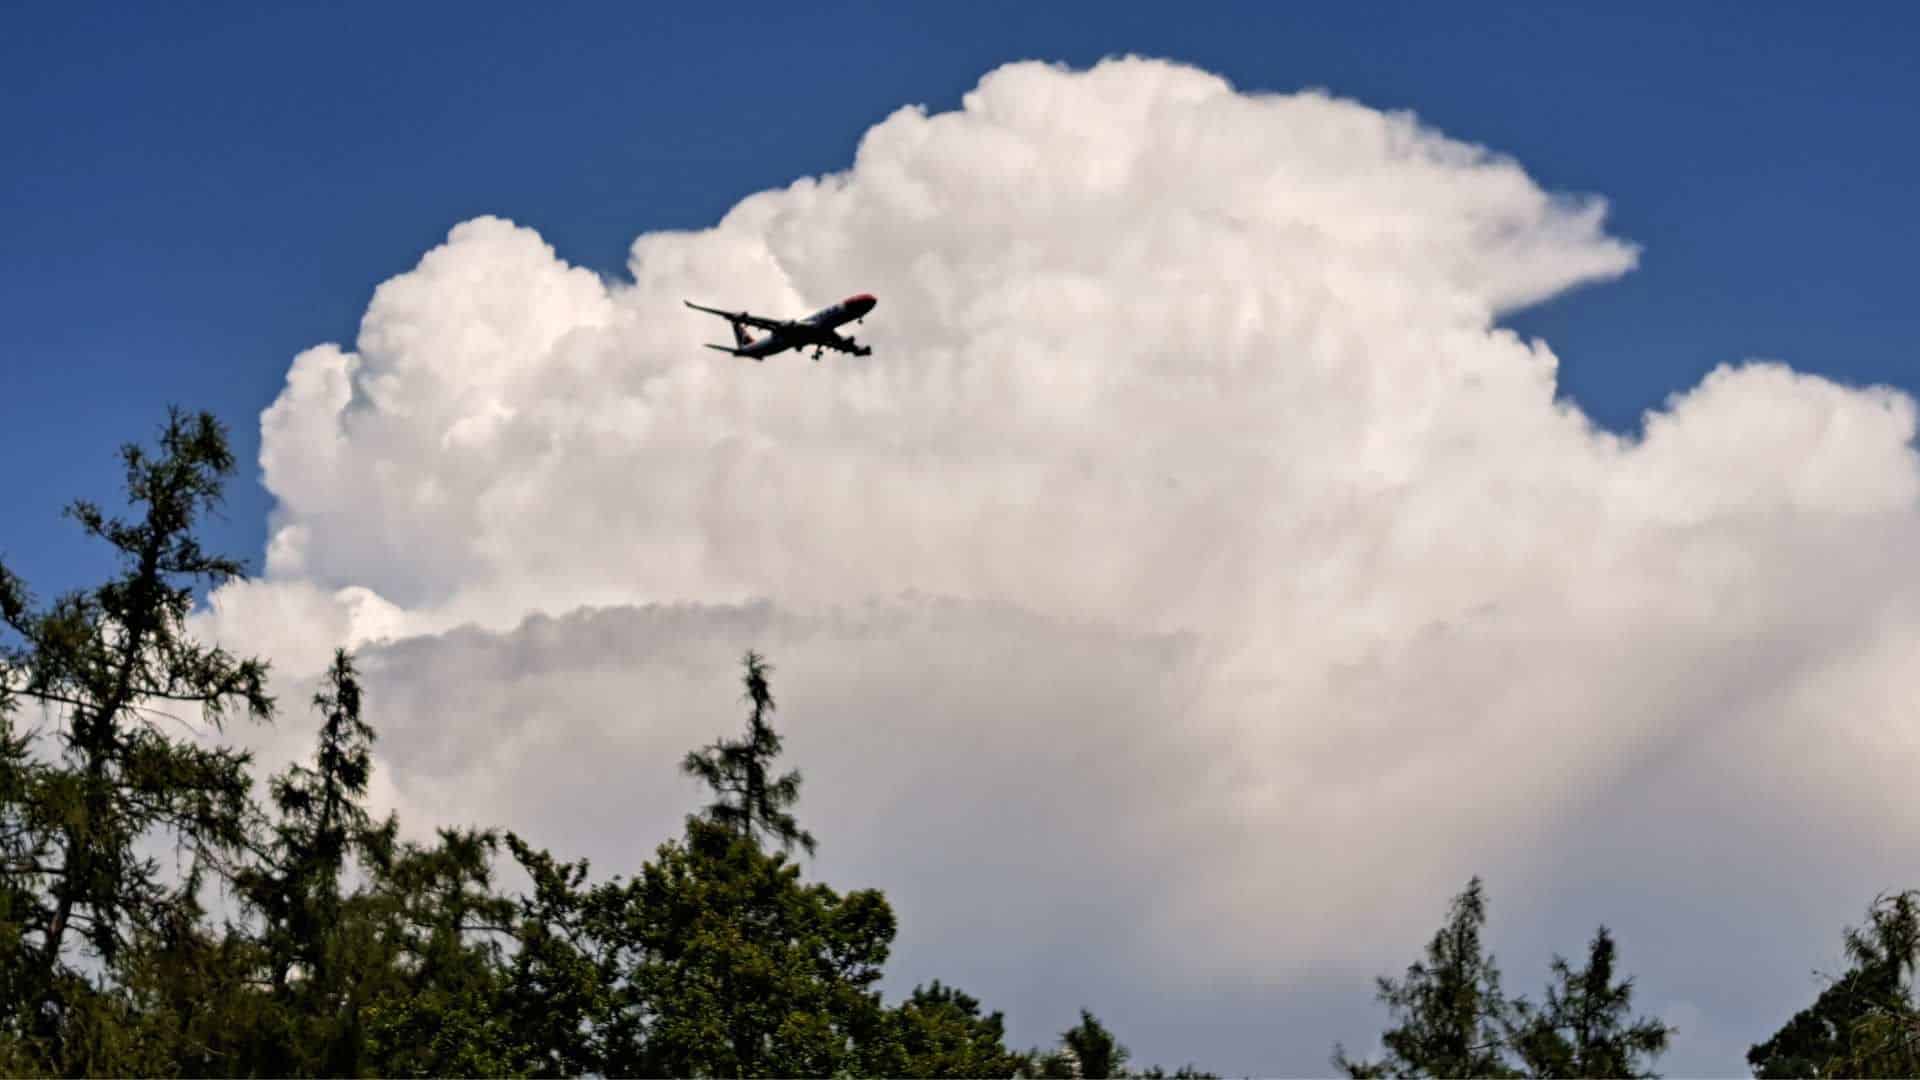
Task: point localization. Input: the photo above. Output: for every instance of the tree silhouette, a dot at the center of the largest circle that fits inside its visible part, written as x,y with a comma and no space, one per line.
1096,1052
1451,1016
746,800
294,888
1865,1023
1585,1028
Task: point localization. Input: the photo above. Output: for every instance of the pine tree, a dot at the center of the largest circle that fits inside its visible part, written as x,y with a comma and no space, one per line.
322,822
295,887
749,972
1451,1015
109,668
1096,1053
1585,1028
746,799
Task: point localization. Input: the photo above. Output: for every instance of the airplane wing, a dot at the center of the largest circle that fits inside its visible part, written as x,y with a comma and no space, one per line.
740,317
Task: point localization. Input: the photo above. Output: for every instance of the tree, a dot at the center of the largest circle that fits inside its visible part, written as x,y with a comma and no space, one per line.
1886,1042
294,885
746,971
739,968
745,799
443,928
1089,1050
1096,1052
1585,1028
1451,1017
184,1001
938,1032
1865,1023
25,843
104,665
565,985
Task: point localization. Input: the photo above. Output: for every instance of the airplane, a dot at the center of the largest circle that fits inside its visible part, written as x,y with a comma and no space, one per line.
796,334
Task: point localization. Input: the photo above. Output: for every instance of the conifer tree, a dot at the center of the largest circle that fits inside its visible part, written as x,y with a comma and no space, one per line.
113,671
1451,1016
322,822
748,972
747,798
564,986
1089,1050
1097,1055
446,929
1586,1028
295,887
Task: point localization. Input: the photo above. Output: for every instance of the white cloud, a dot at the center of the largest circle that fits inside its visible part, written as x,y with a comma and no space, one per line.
1286,595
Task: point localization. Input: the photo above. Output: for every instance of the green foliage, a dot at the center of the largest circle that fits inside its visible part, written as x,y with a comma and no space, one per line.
1866,1022
746,971
1096,1052
1453,1020
1089,1049
186,1002
564,988
746,798
1451,1015
444,1032
308,946
438,914
106,666
1585,1028
939,1032
1886,1042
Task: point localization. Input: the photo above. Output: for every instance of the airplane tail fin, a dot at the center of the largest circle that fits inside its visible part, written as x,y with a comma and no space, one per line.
731,352
741,339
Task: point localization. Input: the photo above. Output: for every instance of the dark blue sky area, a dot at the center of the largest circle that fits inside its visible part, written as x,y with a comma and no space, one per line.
194,193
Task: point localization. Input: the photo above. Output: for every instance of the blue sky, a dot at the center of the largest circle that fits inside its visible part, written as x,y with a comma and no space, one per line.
194,194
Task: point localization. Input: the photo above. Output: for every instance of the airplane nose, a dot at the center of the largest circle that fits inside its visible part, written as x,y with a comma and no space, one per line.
862,303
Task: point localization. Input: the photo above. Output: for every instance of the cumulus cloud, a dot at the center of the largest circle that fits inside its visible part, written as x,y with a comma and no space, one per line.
1192,590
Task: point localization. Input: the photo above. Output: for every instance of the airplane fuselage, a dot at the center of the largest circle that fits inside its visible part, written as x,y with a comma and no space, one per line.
815,329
